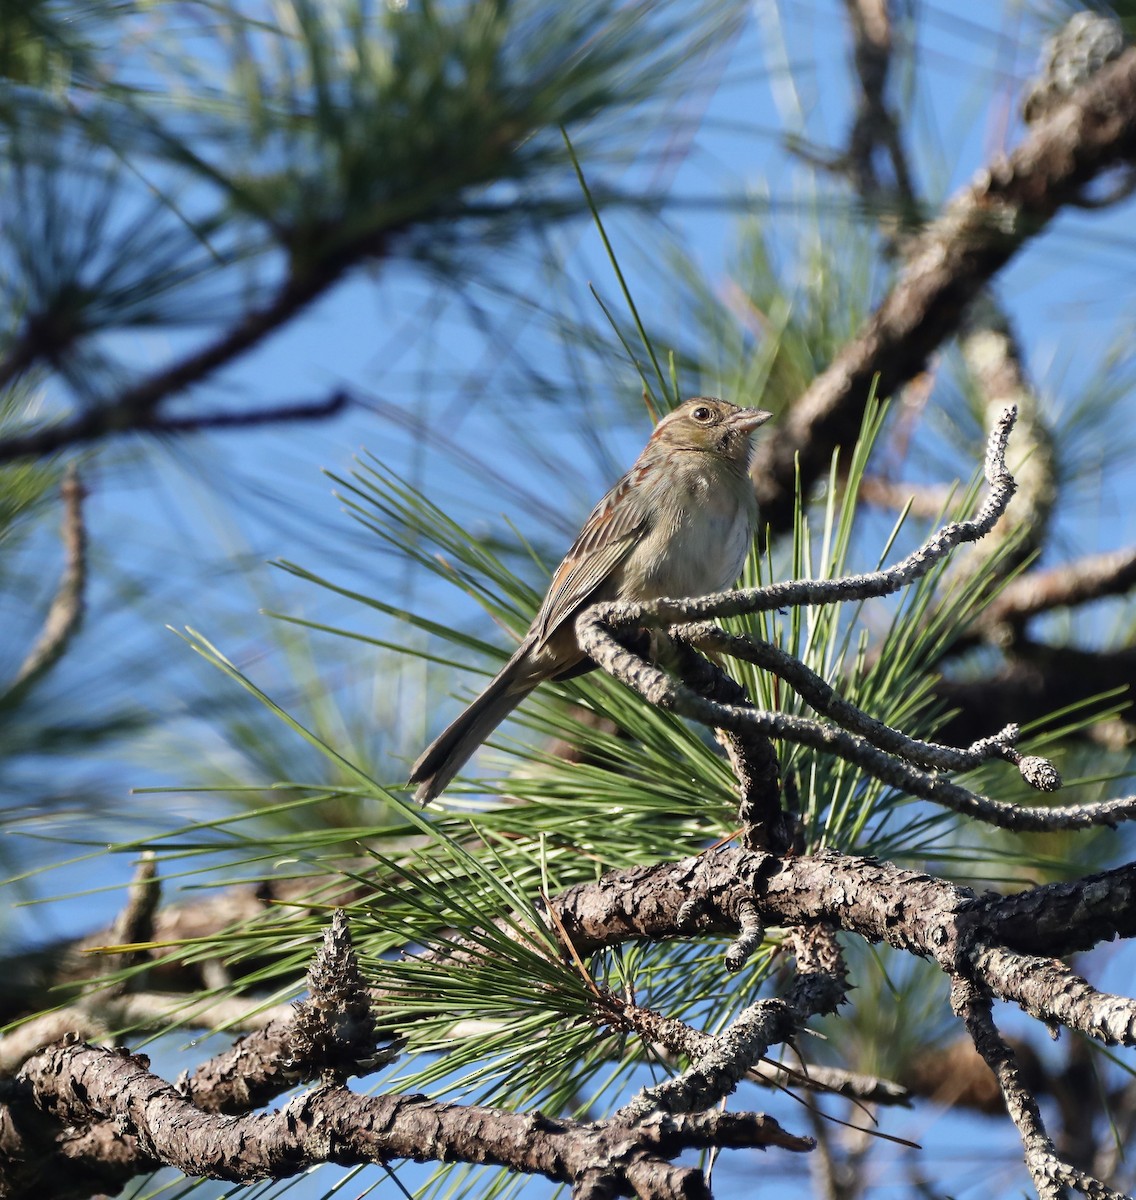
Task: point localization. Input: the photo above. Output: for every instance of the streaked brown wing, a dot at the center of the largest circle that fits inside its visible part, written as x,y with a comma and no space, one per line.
612,528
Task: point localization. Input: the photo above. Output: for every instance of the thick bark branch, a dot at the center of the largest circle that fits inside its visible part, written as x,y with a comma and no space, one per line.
946,267
75,1085
1067,586
1063,918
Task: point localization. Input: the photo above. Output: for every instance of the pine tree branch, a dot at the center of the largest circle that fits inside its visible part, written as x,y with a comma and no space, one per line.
79,1090
877,901
910,911
670,900
1067,586
135,408
1049,991
945,268
1051,1175
1064,918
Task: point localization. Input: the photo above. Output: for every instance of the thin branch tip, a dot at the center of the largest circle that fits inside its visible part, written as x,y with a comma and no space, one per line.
750,936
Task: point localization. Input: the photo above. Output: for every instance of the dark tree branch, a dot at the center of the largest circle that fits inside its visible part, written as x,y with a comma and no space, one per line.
699,896
136,406
135,923
1037,681
1063,918
877,901
278,414
751,755
874,126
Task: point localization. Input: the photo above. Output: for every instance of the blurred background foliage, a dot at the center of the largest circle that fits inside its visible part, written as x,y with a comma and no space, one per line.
214,210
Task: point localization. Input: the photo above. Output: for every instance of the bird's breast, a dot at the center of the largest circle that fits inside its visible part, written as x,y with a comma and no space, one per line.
699,540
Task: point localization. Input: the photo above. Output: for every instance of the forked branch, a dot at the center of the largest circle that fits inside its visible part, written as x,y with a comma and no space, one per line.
906,763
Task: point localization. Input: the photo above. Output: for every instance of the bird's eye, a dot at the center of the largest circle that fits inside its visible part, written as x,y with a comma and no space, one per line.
703,414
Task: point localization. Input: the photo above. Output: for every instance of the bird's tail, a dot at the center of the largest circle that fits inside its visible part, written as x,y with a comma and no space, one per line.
451,749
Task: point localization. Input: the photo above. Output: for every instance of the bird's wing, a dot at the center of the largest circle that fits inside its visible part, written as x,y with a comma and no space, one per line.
609,533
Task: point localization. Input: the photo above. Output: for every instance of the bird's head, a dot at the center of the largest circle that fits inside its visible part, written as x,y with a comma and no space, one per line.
709,424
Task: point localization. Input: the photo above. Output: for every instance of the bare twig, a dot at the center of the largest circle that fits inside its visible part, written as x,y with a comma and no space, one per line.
66,612
721,1062
824,699
669,1038
813,1077
1052,993
994,362
1051,1176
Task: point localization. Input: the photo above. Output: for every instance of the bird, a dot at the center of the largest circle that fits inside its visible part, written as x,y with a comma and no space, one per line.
679,523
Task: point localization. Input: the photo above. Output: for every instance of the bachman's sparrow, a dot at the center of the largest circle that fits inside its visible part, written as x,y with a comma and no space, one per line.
679,523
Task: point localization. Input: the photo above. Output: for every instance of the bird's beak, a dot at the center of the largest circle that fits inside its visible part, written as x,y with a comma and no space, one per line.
748,419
